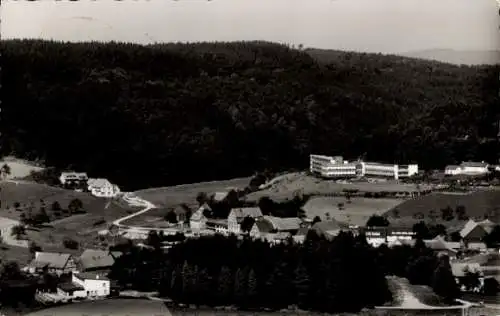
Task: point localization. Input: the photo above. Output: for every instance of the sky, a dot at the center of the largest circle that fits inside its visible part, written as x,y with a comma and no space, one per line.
386,26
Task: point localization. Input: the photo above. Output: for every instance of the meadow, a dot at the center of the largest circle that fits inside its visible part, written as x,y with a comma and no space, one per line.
301,182
82,227
478,204
355,212
186,193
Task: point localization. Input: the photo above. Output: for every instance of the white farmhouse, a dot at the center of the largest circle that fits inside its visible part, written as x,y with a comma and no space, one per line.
237,215
67,177
93,284
102,187
467,168
198,221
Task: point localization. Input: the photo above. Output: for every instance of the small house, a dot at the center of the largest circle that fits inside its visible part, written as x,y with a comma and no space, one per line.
73,178
198,220
473,232
237,215
86,285
328,229
217,225
94,260
58,263
273,225
102,187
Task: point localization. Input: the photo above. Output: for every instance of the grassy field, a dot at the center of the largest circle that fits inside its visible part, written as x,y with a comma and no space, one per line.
152,218
356,212
186,193
80,227
306,184
477,204
19,168
8,253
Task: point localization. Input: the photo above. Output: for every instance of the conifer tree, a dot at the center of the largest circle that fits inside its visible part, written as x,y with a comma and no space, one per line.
302,285
252,290
240,285
225,285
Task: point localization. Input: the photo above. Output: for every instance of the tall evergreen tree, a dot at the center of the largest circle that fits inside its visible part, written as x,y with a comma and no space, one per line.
225,285
302,284
444,283
241,285
252,290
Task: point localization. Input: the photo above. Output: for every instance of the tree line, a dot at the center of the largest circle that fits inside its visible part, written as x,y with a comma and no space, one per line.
343,274
222,110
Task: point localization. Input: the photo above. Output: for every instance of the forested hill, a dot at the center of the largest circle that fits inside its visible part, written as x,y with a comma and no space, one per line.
176,113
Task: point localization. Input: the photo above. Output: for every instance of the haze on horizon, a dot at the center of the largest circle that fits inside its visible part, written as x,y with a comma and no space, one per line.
386,26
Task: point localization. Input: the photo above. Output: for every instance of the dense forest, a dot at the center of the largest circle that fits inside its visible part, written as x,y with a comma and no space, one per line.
163,114
340,275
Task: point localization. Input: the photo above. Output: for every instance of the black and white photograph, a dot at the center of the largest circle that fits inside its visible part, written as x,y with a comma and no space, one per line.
250,157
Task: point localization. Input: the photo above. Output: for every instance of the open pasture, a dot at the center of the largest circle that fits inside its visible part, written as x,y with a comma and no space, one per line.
82,227
287,186
186,193
355,212
477,204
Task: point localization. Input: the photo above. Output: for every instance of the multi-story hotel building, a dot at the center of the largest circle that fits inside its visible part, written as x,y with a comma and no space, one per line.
333,167
336,167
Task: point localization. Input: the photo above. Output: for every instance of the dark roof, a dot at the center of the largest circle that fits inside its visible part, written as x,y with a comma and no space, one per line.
90,276
284,223
219,222
70,287
324,226
93,259
474,164
51,260
243,212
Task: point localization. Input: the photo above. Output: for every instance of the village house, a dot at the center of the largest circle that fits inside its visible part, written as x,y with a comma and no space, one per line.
391,235
328,229
284,226
467,168
97,261
79,178
473,233
58,263
237,215
198,220
85,285
102,187
219,226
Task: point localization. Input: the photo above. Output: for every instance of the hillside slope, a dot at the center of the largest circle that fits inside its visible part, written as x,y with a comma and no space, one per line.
458,57
146,116
477,204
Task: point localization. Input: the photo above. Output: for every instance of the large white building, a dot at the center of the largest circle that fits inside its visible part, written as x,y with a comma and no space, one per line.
66,177
467,168
336,167
85,285
102,187
332,167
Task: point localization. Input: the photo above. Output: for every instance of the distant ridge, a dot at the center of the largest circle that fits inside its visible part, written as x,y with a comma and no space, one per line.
487,57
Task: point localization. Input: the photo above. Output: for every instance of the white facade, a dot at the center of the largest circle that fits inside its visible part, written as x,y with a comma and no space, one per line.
74,294
336,167
93,284
332,167
73,176
102,188
467,168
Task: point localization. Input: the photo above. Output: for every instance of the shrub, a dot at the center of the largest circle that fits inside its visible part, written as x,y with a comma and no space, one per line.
70,243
